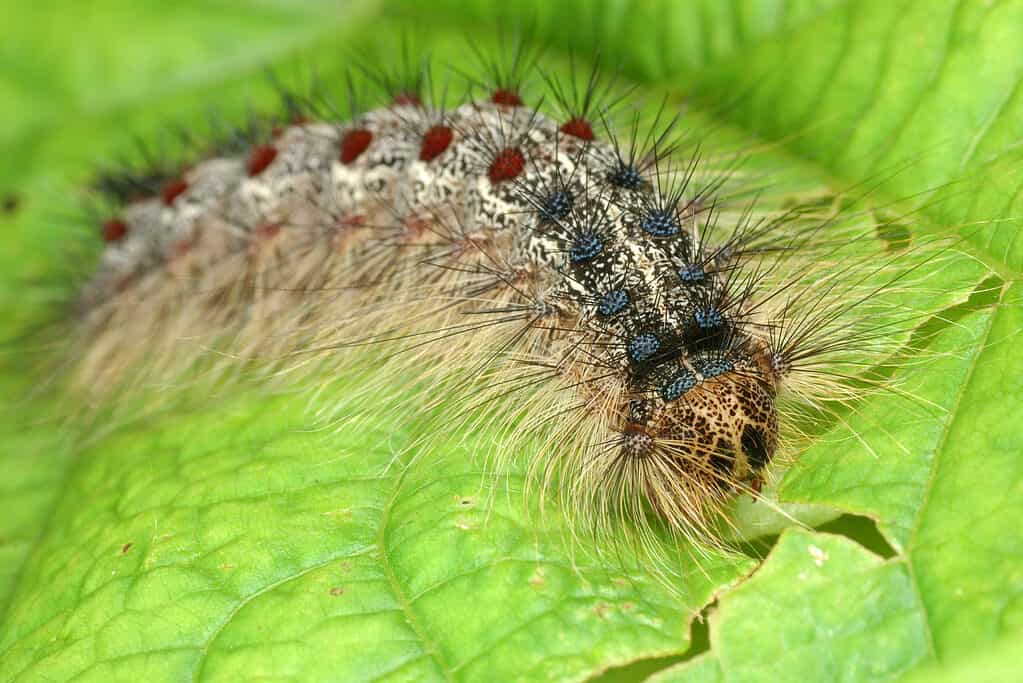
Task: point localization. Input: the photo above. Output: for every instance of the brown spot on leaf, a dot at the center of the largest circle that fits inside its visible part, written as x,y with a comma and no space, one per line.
10,203
537,579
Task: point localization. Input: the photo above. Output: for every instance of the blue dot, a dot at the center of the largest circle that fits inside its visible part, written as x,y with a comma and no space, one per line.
557,205
660,223
678,385
585,247
642,347
691,274
613,303
627,177
712,367
709,318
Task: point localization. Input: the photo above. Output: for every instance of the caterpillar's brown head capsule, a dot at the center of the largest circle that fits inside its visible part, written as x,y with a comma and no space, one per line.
713,427
726,428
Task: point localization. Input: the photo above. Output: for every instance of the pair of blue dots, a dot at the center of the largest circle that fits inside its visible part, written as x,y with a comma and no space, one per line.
613,303
586,246
643,347
712,367
627,177
678,386
708,318
691,274
557,206
660,223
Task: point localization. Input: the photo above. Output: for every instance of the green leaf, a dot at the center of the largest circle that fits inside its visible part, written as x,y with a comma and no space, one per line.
235,543
834,608
998,664
951,474
226,540
836,612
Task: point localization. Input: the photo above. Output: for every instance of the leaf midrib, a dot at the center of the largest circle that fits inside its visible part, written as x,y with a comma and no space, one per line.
430,648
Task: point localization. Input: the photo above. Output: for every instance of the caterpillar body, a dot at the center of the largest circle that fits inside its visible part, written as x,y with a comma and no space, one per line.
606,291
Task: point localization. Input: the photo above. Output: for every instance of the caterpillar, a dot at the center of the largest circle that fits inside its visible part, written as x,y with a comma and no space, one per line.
638,314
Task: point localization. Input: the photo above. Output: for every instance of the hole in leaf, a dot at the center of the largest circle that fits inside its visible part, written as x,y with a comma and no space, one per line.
861,530
896,236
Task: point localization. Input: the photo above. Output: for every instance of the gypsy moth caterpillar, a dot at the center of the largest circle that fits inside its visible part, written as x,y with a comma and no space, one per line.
626,302
224,469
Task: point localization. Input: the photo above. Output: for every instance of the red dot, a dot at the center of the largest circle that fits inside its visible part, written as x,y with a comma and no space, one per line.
296,120
507,164
507,97
268,231
354,143
114,230
435,141
260,157
172,191
180,249
408,99
579,128
415,226
124,283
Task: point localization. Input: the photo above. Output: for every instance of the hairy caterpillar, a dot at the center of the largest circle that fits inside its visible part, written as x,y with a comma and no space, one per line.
606,290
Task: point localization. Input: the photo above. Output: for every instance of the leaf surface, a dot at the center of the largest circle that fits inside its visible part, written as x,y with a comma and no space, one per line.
227,541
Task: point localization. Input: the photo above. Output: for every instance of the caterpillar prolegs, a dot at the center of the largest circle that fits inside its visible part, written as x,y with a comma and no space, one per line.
640,311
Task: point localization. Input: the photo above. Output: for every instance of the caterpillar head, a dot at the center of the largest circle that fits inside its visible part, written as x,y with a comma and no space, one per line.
711,435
